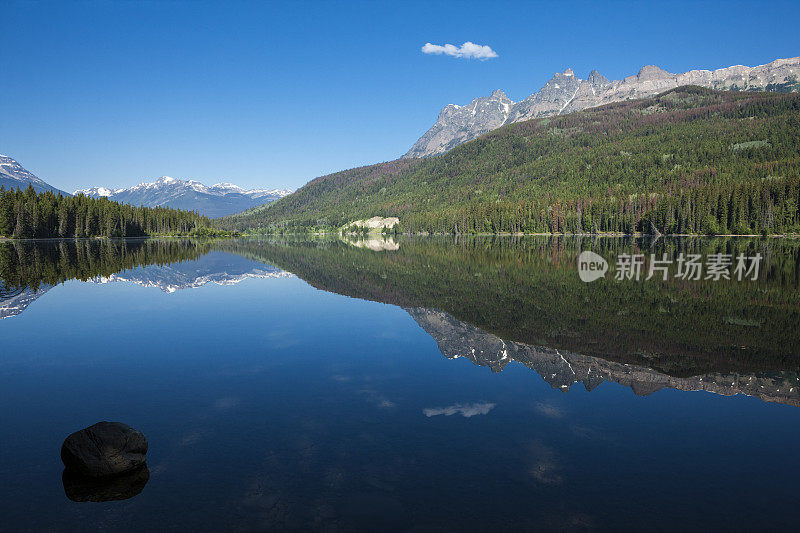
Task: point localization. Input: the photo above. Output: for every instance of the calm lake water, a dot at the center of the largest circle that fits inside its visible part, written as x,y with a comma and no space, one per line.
419,384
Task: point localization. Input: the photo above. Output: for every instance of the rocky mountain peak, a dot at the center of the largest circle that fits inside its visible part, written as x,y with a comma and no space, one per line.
458,124
566,93
597,80
652,72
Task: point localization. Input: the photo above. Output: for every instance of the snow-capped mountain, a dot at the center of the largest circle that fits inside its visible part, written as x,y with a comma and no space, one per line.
214,201
13,176
566,93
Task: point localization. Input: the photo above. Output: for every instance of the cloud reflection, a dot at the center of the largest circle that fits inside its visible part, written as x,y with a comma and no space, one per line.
466,410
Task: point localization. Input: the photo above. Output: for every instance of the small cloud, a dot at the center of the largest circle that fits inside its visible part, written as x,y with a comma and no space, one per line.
468,50
466,410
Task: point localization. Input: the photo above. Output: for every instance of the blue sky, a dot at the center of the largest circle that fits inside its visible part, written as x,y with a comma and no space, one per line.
274,94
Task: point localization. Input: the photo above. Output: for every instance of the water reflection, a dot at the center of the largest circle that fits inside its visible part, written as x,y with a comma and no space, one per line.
80,488
494,301
374,243
14,302
219,268
29,269
562,369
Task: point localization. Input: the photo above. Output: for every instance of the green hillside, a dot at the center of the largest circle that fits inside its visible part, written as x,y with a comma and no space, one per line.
690,160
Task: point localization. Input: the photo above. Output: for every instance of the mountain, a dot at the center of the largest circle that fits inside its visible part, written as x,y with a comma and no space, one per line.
189,195
689,160
565,93
562,368
13,176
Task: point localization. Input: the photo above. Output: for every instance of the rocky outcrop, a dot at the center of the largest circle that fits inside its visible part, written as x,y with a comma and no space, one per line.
104,449
374,224
562,369
566,93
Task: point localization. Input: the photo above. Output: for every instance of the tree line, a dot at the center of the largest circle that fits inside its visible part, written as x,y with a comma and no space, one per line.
26,214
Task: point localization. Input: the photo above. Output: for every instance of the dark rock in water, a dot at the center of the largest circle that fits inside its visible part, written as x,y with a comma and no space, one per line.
104,449
80,488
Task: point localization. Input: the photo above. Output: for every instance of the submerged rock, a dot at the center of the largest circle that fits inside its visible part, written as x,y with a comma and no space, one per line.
104,449
80,488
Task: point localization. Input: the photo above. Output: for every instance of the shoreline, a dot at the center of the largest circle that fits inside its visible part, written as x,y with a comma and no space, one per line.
335,234
424,234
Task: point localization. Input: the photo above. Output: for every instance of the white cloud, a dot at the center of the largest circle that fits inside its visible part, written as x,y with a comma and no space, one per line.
468,50
466,410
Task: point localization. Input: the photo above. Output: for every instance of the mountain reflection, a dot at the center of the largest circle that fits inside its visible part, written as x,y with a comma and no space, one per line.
29,269
562,369
496,300
219,268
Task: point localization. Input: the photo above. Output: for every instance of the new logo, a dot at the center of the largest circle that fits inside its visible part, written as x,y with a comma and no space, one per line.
591,266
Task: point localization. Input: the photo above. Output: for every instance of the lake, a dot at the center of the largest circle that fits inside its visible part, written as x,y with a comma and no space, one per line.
405,384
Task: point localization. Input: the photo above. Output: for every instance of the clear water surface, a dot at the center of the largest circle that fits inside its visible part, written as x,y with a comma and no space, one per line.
439,385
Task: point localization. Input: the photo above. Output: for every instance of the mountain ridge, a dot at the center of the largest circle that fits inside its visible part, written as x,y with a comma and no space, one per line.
15,176
565,93
214,201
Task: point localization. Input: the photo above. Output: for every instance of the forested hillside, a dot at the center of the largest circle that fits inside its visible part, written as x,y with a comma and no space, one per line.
690,160
28,214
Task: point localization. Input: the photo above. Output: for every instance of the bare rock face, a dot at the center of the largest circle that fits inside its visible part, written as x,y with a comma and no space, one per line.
104,449
566,93
459,124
